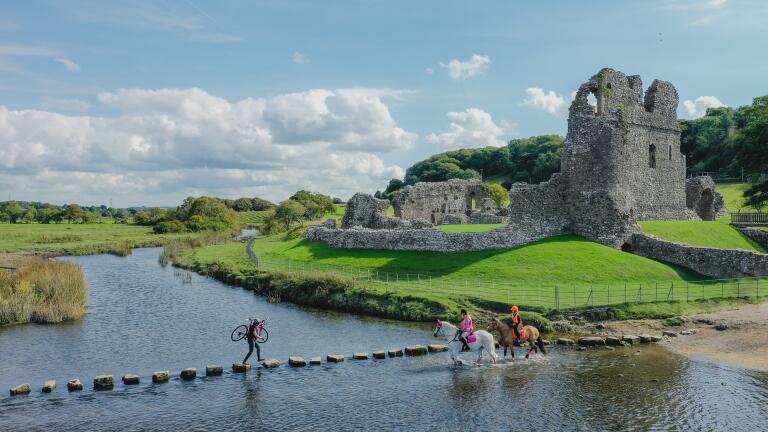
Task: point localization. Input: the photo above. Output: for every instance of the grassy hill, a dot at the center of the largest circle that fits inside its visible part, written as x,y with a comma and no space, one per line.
701,233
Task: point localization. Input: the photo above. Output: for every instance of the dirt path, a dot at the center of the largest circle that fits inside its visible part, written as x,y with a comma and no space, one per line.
743,343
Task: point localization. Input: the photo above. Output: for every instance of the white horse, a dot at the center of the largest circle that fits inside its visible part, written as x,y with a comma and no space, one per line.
483,342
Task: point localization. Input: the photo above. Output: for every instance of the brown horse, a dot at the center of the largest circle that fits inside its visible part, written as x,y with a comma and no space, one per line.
529,334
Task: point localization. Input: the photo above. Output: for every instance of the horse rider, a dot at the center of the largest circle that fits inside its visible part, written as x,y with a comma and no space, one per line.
517,324
467,329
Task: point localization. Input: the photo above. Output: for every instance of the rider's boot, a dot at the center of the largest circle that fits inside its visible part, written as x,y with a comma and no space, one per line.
465,347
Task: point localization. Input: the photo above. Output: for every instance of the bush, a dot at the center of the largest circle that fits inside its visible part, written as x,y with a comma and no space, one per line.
674,321
166,227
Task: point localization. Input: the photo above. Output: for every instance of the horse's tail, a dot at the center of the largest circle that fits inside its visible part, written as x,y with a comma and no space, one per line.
540,343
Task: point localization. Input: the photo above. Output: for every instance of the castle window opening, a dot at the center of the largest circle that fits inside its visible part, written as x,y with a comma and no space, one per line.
652,156
670,152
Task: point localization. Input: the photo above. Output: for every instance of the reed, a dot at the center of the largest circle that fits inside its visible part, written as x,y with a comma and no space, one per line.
47,292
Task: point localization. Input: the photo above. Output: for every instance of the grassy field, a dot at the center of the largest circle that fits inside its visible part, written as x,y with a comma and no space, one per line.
701,233
732,195
469,228
252,218
79,239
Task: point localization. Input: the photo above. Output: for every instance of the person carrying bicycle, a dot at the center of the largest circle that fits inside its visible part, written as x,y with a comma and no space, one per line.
252,335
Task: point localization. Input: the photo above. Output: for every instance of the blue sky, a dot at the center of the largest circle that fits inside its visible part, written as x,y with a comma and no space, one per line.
148,102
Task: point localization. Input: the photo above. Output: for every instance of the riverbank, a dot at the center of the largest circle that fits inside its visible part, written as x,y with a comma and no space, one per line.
736,336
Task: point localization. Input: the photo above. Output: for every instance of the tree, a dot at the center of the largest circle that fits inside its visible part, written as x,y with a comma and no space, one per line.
315,204
499,195
73,212
30,216
751,138
242,205
13,211
259,204
757,196
290,212
205,214
47,215
150,216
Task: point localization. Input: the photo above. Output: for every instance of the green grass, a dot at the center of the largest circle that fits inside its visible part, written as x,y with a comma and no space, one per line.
78,239
701,233
252,218
733,195
469,228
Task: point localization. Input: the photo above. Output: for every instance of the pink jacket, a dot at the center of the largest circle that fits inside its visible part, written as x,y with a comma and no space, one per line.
468,325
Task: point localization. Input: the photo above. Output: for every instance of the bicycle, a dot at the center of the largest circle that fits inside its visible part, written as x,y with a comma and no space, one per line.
241,331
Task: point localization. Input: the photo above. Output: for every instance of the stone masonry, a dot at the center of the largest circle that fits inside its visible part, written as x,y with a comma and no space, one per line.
434,200
700,196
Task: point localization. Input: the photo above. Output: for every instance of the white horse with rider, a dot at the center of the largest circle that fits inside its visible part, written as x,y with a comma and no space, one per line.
479,341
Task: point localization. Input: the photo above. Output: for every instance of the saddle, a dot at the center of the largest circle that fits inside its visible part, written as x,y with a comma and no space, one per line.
523,334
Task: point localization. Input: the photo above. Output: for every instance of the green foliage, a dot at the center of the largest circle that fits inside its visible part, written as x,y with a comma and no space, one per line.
73,213
173,226
290,212
757,196
242,205
499,195
259,204
706,142
674,321
469,228
13,211
751,137
150,216
532,159
205,214
315,204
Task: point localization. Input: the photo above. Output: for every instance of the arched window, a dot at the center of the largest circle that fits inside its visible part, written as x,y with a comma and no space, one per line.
652,156
670,152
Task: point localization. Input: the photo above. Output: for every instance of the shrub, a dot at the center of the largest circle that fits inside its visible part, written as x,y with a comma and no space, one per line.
166,227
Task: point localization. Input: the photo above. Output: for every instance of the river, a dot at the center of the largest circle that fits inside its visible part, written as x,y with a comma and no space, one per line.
143,318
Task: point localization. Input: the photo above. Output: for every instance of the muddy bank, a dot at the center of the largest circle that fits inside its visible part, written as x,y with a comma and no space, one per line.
737,337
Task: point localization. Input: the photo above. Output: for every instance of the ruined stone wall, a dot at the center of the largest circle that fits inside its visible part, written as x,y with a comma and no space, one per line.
541,205
701,197
432,200
715,263
427,239
757,235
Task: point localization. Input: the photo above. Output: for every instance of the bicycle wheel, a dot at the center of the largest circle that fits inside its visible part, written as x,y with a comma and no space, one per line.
263,336
239,333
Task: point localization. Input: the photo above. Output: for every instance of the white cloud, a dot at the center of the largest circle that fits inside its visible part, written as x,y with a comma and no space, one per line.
549,101
168,143
57,104
299,58
429,71
470,128
698,107
461,70
68,64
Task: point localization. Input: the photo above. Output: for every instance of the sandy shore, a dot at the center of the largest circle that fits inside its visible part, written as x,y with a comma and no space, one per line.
744,343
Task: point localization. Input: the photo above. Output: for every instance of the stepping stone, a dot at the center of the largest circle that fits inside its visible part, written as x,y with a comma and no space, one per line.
546,342
272,363
104,382
49,386
161,377
612,341
131,379
74,385
379,354
436,348
591,341
395,353
188,374
566,341
315,361
415,350
689,332
669,333
241,367
360,356
646,338
630,339
334,358
297,361
21,390
214,370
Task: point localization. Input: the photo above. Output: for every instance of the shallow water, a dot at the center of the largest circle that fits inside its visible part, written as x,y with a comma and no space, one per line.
144,318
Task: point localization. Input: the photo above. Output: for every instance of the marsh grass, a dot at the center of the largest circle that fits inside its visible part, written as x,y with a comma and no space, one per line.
47,292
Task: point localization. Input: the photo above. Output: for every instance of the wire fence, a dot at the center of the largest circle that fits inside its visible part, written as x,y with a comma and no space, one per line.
498,290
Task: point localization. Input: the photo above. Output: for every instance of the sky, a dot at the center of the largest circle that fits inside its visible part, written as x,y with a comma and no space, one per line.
148,102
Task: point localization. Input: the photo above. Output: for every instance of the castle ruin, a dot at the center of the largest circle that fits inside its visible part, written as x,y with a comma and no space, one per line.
451,201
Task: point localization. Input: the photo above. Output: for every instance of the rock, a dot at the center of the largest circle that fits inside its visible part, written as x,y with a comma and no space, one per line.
21,390
612,341
334,358
360,356
161,377
630,339
706,321
188,374
546,342
689,332
296,361
273,363
74,385
415,350
655,338
49,386
315,361
329,223
610,348
721,327
103,382
646,338
669,333
379,354
241,367
395,353
582,348
436,348
565,341
130,379
600,326
591,341
214,370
